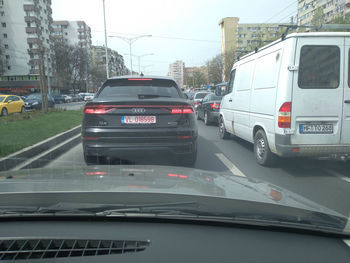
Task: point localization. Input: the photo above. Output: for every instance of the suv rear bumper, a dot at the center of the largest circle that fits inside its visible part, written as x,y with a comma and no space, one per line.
286,149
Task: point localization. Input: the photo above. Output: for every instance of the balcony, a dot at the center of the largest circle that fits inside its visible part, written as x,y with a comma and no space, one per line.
34,40
31,19
33,30
82,30
34,62
49,9
31,8
34,72
82,37
33,51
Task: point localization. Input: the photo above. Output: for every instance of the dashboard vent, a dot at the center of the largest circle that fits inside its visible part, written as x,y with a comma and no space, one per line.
17,249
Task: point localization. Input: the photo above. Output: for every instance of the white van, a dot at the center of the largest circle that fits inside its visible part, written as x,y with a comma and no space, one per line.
292,97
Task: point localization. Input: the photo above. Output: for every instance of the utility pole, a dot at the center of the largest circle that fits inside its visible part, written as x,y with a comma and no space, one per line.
106,46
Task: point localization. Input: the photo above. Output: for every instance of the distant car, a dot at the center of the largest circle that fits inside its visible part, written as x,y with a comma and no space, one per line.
58,99
77,98
89,97
33,101
198,97
209,109
131,117
11,104
67,98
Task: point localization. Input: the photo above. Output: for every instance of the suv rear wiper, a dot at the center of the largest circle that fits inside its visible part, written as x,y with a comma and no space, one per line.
151,96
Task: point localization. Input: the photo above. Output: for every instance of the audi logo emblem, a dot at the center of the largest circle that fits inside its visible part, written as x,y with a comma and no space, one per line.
138,110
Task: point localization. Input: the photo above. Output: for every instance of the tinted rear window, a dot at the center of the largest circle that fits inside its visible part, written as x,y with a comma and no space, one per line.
214,97
319,67
200,95
134,88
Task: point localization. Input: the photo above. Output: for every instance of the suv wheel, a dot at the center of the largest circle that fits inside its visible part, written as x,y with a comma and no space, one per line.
222,130
262,152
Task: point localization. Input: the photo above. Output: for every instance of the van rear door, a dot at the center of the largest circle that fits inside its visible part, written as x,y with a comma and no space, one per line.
318,90
345,135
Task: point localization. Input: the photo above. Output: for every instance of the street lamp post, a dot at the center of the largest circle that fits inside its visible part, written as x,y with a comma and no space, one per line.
139,58
106,47
130,41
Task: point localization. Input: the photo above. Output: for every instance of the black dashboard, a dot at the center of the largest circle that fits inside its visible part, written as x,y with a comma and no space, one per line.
180,242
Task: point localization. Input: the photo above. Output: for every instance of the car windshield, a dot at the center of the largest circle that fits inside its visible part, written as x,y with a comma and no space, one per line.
241,107
34,97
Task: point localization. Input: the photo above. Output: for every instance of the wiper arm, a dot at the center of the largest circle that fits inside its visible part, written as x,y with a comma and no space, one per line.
151,96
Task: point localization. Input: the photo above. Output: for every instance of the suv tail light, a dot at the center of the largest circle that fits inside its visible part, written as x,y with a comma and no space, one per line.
284,115
184,110
95,109
215,106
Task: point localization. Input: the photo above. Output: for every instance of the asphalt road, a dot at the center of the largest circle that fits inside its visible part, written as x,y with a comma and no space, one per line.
325,182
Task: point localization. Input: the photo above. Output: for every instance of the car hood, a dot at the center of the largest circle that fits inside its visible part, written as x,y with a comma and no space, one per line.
154,179
32,101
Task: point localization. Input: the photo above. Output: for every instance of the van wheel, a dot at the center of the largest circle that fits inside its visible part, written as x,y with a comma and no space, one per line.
262,152
222,130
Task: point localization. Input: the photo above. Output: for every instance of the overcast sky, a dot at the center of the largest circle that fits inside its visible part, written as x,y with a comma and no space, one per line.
166,20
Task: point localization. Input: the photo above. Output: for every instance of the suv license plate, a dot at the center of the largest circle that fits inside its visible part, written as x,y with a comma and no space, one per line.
316,128
138,119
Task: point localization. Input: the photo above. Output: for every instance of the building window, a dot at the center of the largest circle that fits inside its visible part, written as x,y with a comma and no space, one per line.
1,3
6,46
5,35
9,67
7,56
30,45
3,24
2,13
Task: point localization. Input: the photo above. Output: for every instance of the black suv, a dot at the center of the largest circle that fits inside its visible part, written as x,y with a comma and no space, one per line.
133,117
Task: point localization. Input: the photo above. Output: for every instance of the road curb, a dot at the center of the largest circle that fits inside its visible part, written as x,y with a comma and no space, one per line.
11,161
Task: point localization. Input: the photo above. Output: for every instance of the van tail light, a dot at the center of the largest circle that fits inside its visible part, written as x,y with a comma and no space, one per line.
284,115
184,110
215,106
196,103
96,109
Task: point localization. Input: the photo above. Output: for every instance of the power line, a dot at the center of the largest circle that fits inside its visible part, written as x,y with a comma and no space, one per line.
291,14
285,8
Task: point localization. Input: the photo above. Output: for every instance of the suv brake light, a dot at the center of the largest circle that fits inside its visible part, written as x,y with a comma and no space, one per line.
284,115
96,110
184,110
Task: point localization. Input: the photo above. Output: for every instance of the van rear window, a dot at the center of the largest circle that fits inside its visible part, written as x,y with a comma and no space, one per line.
319,67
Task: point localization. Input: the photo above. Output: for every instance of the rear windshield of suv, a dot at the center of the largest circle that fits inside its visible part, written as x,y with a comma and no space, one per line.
200,95
136,88
319,67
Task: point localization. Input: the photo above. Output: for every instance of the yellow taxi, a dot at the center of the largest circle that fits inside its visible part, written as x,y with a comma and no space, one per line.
11,104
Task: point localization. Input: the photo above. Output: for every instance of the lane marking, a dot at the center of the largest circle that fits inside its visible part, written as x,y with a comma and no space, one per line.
342,177
233,168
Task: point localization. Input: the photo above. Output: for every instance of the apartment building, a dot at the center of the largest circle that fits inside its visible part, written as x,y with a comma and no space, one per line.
330,8
72,33
176,71
25,28
242,38
115,61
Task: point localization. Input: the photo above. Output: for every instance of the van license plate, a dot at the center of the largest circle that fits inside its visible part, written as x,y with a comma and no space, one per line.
316,128
138,119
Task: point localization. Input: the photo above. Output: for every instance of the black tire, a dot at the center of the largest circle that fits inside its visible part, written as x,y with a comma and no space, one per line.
90,159
262,152
206,118
197,115
23,109
4,112
222,130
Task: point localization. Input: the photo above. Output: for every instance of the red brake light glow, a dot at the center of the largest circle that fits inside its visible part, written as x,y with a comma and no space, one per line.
96,110
215,106
284,115
188,110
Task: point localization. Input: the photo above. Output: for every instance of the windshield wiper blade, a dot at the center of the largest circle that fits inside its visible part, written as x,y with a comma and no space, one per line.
151,96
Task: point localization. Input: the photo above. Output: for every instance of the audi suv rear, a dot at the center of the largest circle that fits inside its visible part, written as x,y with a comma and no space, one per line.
135,117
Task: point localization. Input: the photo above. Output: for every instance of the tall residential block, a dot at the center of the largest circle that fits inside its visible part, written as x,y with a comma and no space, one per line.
176,71
25,32
330,8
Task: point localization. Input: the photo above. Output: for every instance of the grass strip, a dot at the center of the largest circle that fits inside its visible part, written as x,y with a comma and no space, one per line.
23,130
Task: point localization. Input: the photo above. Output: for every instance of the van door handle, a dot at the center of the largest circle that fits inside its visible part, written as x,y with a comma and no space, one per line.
347,101
230,100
